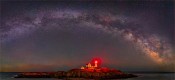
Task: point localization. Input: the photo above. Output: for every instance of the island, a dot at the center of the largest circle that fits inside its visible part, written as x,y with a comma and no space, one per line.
88,72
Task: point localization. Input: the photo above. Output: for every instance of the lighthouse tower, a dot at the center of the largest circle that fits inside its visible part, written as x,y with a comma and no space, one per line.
96,62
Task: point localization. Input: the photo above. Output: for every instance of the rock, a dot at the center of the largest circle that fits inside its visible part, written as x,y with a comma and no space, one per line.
102,73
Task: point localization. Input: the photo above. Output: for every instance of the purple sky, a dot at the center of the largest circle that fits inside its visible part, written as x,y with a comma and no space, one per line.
51,36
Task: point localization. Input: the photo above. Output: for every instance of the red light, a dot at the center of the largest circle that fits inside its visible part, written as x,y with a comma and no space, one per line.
96,61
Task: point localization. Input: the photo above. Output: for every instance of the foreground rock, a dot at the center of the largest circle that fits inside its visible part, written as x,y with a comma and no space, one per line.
92,70
78,73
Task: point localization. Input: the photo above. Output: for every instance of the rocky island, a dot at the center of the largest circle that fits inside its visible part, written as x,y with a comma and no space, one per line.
87,72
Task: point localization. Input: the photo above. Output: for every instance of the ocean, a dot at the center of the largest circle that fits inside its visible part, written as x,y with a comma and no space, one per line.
142,76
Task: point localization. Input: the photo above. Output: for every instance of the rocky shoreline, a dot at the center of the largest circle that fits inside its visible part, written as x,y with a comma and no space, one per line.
78,73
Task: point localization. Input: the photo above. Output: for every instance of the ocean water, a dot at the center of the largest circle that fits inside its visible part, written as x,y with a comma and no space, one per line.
142,76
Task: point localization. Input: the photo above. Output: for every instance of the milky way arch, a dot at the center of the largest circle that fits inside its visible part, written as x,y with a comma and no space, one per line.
152,45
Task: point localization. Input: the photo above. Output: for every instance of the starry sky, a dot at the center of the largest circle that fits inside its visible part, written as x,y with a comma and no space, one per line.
52,36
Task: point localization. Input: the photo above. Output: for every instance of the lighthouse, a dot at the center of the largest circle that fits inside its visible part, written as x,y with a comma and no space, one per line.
91,67
96,62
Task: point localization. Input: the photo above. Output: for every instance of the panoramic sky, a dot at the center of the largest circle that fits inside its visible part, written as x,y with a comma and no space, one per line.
52,36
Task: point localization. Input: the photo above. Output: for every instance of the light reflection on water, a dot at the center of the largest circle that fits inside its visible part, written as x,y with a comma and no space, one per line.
142,76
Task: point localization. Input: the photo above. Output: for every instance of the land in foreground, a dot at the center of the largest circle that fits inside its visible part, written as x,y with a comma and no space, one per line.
103,73
94,71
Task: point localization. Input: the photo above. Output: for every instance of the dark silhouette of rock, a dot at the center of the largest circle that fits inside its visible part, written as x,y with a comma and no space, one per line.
101,73
89,72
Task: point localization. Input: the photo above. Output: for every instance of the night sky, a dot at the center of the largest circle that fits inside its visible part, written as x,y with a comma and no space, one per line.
52,36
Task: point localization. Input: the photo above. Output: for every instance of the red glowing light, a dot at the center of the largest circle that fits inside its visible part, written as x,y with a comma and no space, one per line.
96,61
